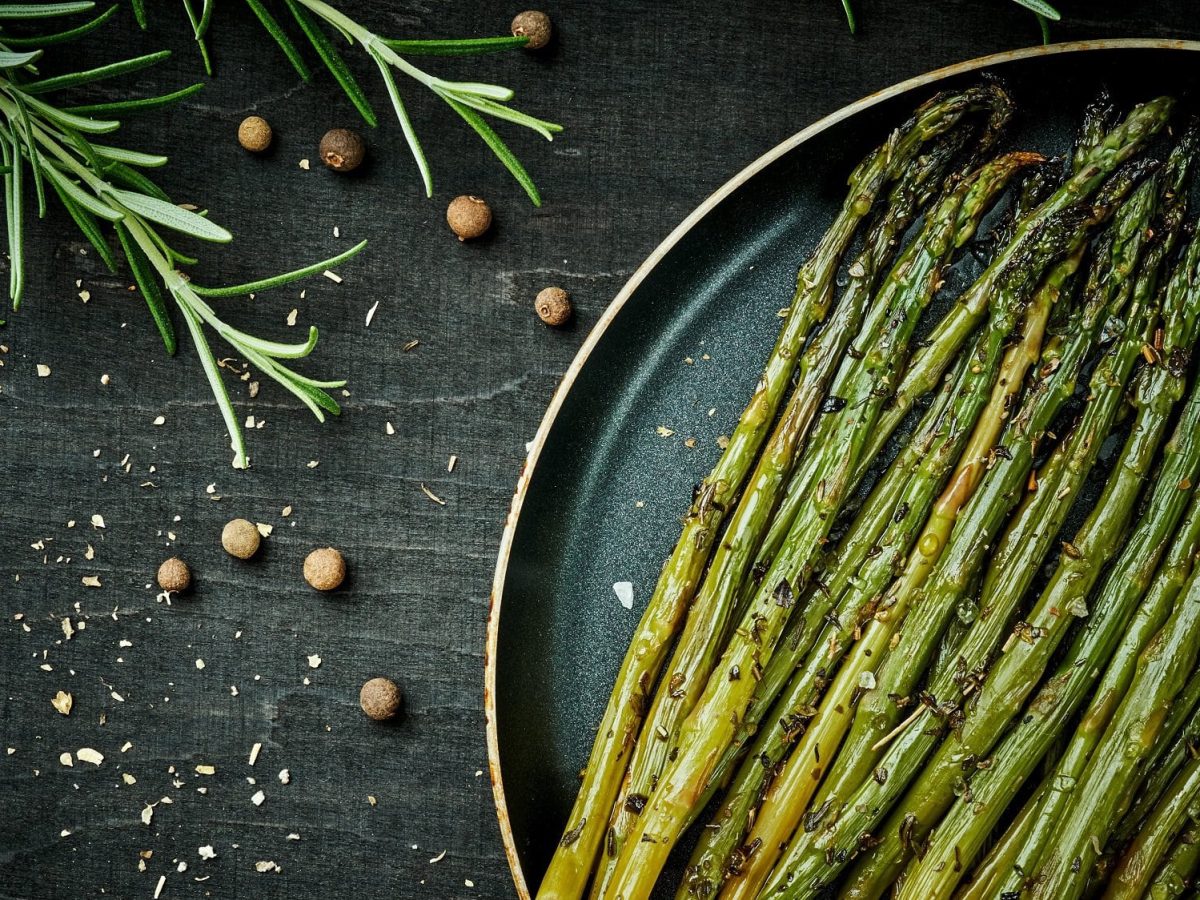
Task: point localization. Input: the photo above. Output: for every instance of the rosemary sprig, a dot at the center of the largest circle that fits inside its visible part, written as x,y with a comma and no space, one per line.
474,102
1041,8
99,183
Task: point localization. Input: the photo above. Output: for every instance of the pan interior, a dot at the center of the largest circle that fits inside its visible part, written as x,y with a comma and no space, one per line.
678,362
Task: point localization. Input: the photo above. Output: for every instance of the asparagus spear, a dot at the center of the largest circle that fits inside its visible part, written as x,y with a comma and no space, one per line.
1104,789
1180,736
1099,117
986,882
1118,146
700,643
1178,871
572,863
1132,877
806,861
1020,668
709,729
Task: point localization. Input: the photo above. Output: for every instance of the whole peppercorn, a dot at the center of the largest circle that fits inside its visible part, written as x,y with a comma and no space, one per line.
534,25
255,134
381,699
240,538
174,576
553,306
468,217
325,569
342,149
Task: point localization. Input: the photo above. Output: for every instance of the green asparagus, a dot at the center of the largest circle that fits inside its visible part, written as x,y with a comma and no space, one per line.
850,802
570,868
1064,600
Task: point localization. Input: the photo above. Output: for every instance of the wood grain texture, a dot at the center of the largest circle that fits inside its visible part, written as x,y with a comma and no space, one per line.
662,103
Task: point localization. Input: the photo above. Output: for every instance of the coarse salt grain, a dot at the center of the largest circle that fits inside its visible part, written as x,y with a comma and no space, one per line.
624,592
43,371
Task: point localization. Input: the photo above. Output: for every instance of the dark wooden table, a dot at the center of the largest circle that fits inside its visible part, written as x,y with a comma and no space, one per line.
662,103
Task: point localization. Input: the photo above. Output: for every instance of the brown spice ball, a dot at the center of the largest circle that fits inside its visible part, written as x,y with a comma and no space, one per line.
553,306
469,217
255,134
174,576
240,538
534,25
342,150
325,569
381,699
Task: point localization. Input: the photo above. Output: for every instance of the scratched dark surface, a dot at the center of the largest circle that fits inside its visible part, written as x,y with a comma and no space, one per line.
662,103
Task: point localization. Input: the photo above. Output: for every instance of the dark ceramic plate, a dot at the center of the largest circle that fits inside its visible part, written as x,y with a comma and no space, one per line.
601,494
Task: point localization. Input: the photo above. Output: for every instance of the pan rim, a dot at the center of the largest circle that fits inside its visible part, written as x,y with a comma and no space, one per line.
628,290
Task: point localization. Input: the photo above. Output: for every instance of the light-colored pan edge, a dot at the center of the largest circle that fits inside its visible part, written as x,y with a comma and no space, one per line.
535,448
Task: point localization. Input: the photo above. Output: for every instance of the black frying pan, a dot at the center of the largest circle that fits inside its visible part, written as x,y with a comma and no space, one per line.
600,498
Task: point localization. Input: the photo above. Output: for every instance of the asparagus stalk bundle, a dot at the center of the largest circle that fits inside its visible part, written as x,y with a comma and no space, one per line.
863,785
570,868
700,643
1029,650
845,648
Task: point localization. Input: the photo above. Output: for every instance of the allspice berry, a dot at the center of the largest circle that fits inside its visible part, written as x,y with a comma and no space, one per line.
240,538
255,134
534,25
553,306
381,699
469,217
342,150
325,569
174,576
